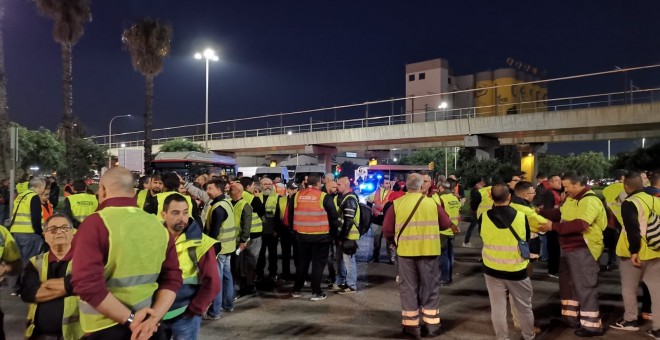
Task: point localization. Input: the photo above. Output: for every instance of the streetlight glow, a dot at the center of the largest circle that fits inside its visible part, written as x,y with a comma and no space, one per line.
442,105
289,133
123,145
209,55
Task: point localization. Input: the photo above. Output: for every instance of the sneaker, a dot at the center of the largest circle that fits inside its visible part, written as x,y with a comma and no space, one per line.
624,325
334,286
445,283
553,276
347,290
654,333
228,310
585,333
296,295
206,316
467,245
319,297
14,294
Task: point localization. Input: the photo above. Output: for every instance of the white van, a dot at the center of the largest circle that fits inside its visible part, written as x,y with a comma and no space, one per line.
278,171
306,170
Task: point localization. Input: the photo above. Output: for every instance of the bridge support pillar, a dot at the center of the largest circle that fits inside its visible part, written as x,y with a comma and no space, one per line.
529,159
324,154
485,145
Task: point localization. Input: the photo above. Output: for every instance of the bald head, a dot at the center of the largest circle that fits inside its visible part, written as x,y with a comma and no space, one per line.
236,191
500,194
116,182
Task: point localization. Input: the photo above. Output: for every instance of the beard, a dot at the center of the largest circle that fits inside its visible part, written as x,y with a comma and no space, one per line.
267,192
178,227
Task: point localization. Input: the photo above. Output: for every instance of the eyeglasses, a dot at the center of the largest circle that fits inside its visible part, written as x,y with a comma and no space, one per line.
53,230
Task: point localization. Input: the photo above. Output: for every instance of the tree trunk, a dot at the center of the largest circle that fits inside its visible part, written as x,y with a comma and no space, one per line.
148,114
67,81
5,152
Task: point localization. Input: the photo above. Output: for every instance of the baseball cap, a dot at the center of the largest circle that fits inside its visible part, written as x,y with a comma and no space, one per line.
292,185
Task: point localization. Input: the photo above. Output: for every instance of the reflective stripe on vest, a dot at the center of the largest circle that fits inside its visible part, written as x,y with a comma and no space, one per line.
71,328
421,236
380,198
23,221
228,229
534,219
131,269
309,215
161,201
141,198
486,202
354,233
643,202
82,205
500,251
452,207
612,194
256,225
186,249
271,203
593,236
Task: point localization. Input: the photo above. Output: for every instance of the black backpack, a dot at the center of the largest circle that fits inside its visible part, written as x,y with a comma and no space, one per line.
365,219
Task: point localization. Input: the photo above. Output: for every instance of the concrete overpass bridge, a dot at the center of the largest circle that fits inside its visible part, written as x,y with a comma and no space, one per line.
630,114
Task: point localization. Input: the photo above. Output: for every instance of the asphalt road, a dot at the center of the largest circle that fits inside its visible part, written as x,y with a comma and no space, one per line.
374,311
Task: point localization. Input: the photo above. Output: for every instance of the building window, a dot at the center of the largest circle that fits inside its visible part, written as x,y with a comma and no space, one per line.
411,77
422,76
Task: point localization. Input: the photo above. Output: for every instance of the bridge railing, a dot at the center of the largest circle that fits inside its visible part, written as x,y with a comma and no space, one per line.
376,114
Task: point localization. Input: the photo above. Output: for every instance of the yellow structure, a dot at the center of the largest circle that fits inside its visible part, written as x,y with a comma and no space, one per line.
528,165
485,98
506,94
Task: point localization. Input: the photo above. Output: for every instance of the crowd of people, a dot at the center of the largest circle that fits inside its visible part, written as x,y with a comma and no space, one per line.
87,272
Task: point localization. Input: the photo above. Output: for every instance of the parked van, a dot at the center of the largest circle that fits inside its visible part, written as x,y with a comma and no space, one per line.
272,172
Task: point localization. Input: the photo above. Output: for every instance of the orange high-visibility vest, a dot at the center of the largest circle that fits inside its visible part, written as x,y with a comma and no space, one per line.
309,216
380,199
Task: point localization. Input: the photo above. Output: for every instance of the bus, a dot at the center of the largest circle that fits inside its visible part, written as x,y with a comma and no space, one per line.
190,164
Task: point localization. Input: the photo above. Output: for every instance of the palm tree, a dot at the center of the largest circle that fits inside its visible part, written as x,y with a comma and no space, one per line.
5,153
69,17
148,42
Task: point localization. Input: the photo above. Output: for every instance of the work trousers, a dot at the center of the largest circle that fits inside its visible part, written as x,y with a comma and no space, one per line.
377,231
289,243
316,254
520,295
120,332
468,233
268,244
248,264
578,289
419,289
631,276
554,252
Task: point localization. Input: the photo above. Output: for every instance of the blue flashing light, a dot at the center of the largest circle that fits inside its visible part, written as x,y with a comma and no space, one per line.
362,186
369,187
379,176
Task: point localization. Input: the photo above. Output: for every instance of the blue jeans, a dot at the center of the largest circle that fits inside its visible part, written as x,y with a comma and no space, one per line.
225,297
183,328
544,247
347,269
446,258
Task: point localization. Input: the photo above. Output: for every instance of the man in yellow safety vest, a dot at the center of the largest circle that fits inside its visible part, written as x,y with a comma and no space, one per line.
81,204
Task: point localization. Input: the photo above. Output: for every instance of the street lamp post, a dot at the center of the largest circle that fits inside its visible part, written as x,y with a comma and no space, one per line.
110,137
208,55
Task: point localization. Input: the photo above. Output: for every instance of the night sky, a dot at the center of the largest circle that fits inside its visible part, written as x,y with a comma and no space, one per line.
281,56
